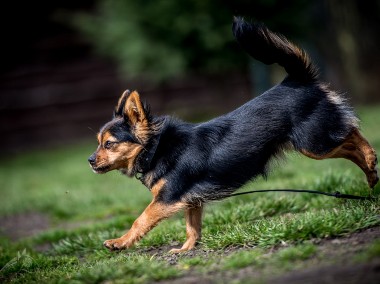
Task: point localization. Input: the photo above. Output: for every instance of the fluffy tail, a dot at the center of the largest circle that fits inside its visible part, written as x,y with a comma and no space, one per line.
268,47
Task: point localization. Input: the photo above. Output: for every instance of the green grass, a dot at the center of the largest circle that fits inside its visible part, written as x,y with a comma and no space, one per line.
279,259
85,209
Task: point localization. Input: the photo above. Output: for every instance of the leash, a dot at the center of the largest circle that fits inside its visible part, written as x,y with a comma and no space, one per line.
336,194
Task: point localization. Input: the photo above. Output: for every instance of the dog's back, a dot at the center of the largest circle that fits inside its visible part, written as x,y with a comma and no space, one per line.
322,124
320,118
301,112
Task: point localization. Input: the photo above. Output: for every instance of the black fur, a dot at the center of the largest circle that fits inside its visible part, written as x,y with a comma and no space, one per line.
208,161
269,48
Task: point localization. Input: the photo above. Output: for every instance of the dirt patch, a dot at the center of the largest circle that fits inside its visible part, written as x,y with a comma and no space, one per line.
350,245
23,225
334,262
354,273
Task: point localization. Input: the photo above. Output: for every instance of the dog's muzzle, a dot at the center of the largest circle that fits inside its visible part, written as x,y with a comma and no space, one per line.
92,160
95,168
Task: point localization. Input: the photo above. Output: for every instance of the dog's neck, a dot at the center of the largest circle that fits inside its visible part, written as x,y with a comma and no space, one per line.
145,159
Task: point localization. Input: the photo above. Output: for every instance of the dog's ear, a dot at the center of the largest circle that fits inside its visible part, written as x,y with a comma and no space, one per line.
134,111
119,109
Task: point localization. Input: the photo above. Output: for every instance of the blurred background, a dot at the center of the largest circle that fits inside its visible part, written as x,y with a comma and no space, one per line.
64,63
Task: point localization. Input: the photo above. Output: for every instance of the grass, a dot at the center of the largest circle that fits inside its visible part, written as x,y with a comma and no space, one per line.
281,258
84,209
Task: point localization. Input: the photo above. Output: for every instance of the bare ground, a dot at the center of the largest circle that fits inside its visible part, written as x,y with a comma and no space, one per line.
23,225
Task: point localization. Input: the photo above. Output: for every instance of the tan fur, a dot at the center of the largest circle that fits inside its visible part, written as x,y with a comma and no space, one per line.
193,217
136,114
106,136
129,152
119,156
152,215
156,188
356,149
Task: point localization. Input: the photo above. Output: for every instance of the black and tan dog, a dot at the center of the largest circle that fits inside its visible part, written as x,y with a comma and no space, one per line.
185,165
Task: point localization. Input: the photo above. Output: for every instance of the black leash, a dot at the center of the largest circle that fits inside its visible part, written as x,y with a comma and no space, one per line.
336,194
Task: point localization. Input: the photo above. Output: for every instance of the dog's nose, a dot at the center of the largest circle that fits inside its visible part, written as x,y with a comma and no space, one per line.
92,159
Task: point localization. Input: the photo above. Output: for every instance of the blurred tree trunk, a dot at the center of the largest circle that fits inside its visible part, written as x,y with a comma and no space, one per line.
354,26
346,20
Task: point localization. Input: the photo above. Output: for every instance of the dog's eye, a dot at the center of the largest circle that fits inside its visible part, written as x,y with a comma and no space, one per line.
108,144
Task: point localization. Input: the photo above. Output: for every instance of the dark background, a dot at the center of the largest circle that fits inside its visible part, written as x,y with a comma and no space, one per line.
64,63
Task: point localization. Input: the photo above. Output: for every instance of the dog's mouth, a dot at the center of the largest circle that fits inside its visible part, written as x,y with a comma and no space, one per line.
126,172
101,170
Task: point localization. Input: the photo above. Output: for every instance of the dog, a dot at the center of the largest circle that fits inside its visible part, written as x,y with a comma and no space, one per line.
185,165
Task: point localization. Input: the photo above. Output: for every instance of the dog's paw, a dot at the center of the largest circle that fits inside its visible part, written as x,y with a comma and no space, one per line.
371,160
372,178
116,244
186,247
179,250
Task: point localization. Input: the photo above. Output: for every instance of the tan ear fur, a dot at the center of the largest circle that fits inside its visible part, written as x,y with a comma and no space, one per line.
134,109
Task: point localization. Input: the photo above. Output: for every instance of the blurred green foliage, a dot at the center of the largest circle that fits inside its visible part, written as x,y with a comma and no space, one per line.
163,39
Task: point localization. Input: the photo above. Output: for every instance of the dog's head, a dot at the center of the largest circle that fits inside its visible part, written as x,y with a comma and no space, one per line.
123,138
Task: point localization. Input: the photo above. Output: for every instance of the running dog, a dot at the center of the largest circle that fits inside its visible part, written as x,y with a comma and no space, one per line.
185,165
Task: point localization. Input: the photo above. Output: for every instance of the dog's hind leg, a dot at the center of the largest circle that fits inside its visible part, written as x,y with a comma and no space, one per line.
193,217
356,149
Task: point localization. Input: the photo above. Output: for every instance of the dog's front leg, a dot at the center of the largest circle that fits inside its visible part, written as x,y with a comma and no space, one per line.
154,213
193,217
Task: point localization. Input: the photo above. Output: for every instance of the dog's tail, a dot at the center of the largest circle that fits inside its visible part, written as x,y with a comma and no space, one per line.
268,47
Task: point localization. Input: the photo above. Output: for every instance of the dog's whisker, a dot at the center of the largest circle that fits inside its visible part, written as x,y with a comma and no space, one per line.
92,130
